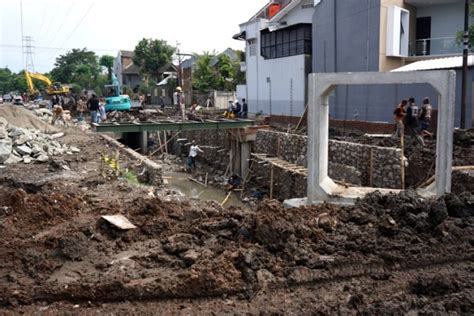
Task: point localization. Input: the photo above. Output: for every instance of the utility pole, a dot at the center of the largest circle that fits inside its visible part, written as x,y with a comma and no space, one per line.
179,64
464,64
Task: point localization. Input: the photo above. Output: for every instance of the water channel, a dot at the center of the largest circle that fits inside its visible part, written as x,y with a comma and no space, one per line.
179,181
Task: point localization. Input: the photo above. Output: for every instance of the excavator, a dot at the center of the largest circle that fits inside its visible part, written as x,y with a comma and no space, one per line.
114,100
51,89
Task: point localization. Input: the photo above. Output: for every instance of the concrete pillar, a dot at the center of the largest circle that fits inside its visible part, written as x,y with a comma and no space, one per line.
244,159
143,142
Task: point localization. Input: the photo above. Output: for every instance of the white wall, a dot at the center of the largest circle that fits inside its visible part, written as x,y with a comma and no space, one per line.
287,92
300,15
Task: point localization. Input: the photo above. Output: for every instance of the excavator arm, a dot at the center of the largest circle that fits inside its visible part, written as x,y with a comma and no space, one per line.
51,89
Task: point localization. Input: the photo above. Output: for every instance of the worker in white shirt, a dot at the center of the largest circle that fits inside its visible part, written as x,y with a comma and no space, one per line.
193,152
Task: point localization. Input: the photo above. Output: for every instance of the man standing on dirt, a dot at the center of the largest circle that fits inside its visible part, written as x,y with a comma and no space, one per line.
399,114
93,105
193,152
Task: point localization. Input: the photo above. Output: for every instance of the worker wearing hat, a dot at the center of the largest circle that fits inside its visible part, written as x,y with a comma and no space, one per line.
178,101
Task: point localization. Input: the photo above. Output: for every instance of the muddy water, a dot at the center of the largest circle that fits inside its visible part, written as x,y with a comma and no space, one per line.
179,181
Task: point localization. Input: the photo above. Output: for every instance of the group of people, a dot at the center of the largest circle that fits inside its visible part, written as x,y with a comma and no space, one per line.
235,109
408,116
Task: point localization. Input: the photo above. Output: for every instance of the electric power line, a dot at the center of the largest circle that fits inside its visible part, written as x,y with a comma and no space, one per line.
78,24
62,23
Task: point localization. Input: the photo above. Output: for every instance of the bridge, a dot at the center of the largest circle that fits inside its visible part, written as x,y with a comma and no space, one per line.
171,125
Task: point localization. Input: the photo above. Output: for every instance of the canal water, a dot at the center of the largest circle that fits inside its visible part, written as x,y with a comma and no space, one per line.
179,181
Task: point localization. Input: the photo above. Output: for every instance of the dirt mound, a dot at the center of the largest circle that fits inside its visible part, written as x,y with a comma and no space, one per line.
181,250
20,117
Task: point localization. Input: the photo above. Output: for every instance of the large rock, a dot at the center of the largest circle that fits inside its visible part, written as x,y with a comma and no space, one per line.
5,149
27,159
14,132
21,140
42,158
13,159
23,150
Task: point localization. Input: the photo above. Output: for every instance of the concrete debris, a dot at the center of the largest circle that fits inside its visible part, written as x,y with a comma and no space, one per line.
119,221
29,145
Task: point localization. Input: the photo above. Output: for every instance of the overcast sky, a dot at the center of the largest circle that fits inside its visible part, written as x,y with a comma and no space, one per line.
106,26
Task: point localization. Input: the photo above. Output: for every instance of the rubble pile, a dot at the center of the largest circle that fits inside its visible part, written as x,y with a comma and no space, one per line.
29,145
134,116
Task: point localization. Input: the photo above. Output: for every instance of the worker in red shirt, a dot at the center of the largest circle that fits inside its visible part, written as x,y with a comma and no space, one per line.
399,115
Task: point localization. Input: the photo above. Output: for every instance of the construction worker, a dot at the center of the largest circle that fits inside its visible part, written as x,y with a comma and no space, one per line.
93,105
412,120
178,101
425,117
399,116
245,109
193,152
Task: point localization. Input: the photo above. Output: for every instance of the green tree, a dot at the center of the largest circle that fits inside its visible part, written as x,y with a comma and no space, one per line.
78,66
6,77
205,78
152,54
18,82
107,62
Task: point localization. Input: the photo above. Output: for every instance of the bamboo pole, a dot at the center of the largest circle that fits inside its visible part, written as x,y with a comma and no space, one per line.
271,182
371,167
402,161
166,141
226,198
169,140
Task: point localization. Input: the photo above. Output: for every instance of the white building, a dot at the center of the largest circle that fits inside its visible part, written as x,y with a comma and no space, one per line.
278,57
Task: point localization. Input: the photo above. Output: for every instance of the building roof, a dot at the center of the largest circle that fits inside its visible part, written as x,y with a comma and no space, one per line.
133,69
189,63
437,63
126,53
229,52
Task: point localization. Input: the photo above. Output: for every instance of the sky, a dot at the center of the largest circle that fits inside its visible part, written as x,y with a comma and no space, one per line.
106,26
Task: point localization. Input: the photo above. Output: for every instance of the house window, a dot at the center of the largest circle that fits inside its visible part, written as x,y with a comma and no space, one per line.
291,41
252,43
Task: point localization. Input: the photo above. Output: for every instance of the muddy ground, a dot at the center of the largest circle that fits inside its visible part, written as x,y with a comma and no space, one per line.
393,254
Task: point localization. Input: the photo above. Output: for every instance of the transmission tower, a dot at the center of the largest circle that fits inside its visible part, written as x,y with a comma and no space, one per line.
28,51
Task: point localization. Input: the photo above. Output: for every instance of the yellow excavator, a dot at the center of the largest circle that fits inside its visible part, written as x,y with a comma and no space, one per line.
51,89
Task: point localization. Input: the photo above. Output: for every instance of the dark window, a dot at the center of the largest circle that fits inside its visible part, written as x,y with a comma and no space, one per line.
290,41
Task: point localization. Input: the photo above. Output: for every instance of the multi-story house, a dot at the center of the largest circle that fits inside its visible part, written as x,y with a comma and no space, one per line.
387,35
278,57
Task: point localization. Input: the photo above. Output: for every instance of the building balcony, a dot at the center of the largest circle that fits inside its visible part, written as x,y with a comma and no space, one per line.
440,46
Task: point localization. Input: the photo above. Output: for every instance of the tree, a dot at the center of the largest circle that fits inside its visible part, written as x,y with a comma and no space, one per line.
204,77
107,62
78,66
152,54
6,78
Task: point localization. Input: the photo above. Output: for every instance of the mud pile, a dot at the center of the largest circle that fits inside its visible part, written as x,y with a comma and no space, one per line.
184,250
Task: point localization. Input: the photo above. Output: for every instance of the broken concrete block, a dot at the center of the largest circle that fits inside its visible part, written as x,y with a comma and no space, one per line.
23,150
5,149
74,149
21,140
15,132
13,159
27,159
119,221
56,136
42,158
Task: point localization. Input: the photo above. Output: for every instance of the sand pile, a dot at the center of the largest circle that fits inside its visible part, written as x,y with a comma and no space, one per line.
20,117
